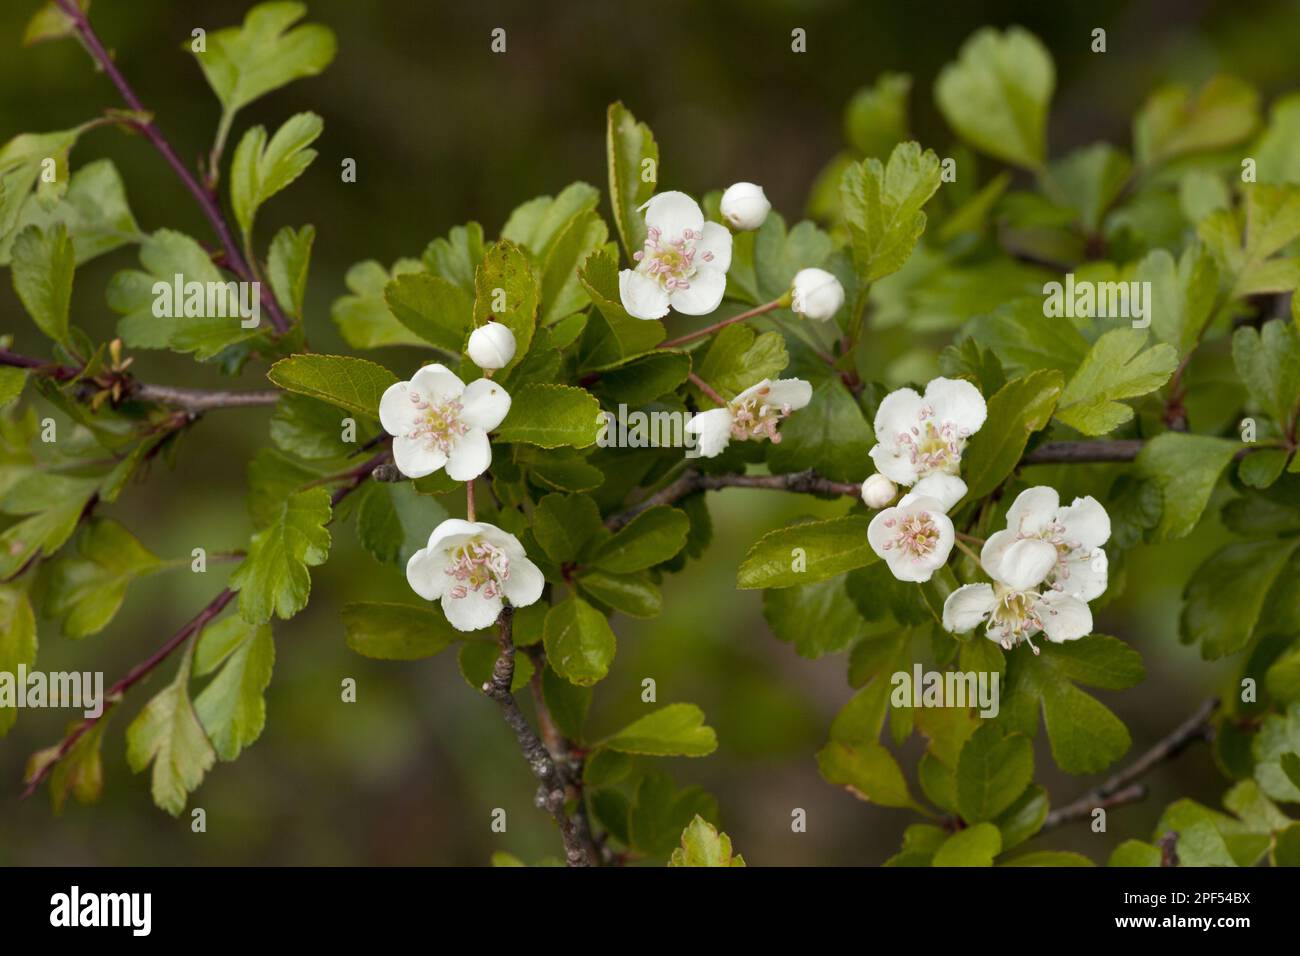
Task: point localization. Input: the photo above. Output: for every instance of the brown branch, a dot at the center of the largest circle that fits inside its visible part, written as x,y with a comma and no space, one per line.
1123,787
1080,452
206,200
552,782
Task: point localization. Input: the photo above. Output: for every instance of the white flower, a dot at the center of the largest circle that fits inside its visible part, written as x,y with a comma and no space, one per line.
914,539
470,567
878,491
754,413
816,294
683,264
491,346
745,206
436,420
1077,532
920,440
1044,545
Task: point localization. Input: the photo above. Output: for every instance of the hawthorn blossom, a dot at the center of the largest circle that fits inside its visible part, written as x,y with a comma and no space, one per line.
1045,567
683,264
816,294
437,421
491,346
920,439
745,206
471,567
914,539
878,491
753,414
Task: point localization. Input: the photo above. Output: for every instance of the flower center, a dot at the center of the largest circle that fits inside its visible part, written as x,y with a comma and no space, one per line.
934,446
917,534
755,418
439,424
671,262
1015,618
477,565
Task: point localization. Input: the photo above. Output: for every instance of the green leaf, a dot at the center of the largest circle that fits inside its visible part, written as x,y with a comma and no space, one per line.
612,335
1024,342
353,384
394,520
1173,123
396,632
1051,858
808,552
43,265
17,641
309,428
246,62
1186,469
50,525
22,162
1135,853
1182,294
260,169
551,416
567,703
882,208
738,358
630,593
1229,597
579,642
992,772
1116,367
286,267
232,708
477,661
12,381
652,537
996,95
363,317
1024,818
538,224
85,590
564,525
49,22
656,819
168,734
1017,410
703,845
633,159
644,379
830,435
562,292
94,210
1085,736
875,119
1286,846
779,255
867,770
435,309
677,730
816,618
507,290
1268,362
974,846
274,579
1091,179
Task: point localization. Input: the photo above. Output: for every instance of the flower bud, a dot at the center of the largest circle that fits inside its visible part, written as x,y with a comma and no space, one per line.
744,206
491,346
816,294
878,491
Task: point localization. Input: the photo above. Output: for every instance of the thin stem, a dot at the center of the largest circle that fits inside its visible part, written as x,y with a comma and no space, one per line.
966,549
205,198
706,388
471,514
701,333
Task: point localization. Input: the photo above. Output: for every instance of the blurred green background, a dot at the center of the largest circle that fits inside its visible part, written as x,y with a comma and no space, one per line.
444,131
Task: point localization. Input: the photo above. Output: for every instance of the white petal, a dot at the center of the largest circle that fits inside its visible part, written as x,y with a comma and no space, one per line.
397,413
899,413
947,489
704,293
958,401
416,458
1087,525
454,532
914,569
470,456
642,297
1064,618
794,392
1033,509
1023,564
1082,574
471,612
425,573
437,383
672,213
484,404
712,430
525,584
717,240
967,606
881,532
894,463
